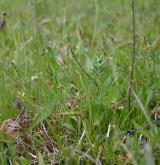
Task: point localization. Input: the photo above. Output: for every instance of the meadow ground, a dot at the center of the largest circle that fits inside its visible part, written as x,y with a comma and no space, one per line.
64,80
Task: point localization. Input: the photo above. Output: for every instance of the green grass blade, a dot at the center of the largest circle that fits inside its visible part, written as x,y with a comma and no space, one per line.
42,115
144,110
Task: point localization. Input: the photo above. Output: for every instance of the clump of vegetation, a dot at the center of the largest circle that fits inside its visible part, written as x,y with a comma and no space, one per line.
65,70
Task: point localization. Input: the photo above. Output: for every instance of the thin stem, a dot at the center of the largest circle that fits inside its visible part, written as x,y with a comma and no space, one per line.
75,58
133,53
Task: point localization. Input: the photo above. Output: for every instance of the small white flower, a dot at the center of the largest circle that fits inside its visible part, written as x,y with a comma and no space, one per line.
33,78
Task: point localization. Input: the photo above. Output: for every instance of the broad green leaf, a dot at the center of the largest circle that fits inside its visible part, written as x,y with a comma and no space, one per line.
111,94
106,84
23,161
148,158
40,159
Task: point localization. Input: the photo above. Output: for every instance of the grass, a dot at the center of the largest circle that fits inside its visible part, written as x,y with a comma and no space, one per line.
64,80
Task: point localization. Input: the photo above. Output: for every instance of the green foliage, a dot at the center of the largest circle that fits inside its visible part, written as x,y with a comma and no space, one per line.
53,110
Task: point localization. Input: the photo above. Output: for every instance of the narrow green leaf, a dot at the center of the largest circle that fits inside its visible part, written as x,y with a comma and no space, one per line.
88,64
42,115
143,109
149,97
